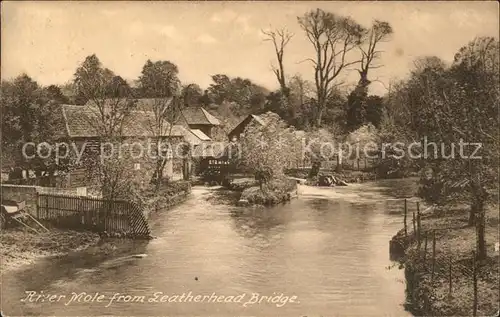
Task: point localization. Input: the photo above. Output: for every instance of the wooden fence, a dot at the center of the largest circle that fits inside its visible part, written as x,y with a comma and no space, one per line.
439,263
99,215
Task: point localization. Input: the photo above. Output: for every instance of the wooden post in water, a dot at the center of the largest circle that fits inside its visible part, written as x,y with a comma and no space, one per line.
433,253
474,280
406,210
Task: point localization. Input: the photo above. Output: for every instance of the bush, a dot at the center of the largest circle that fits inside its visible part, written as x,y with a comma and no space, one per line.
274,192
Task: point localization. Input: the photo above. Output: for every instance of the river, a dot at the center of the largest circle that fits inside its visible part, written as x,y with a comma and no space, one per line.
323,254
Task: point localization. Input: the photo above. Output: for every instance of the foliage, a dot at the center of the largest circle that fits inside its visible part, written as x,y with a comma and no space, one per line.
271,193
112,103
450,106
29,114
268,149
249,97
192,95
159,81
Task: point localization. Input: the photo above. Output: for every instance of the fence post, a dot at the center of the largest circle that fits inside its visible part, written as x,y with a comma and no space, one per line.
406,210
433,253
449,276
419,225
425,251
414,220
474,280
47,207
37,206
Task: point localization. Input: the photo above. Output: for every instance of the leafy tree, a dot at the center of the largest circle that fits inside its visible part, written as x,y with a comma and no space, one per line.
107,95
159,81
364,143
321,146
363,109
249,97
268,149
110,103
192,95
29,113
449,106
357,107
55,94
374,110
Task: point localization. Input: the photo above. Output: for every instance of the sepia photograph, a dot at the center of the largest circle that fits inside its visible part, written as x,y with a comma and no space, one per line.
250,158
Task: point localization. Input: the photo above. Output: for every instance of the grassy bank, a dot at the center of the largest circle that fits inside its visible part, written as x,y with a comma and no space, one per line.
167,196
20,247
450,291
274,192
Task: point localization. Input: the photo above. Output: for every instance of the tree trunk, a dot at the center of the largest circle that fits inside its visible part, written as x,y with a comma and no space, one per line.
472,214
338,168
480,230
318,119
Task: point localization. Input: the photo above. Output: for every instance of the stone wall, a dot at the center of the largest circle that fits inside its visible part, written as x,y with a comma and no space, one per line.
29,194
20,193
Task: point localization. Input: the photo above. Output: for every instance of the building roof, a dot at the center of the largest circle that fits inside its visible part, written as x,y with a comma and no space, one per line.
243,124
202,136
192,115
83,121
198,115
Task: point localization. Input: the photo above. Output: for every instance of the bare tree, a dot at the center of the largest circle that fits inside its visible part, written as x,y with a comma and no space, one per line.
378,33
279,38
332,37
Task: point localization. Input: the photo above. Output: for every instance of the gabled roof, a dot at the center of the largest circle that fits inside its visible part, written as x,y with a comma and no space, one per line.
198,115
83,121
243,124
192,115
202,136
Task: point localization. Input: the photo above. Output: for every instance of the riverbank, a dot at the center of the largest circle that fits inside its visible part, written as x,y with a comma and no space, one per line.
348,176
168,196
453,265
19,247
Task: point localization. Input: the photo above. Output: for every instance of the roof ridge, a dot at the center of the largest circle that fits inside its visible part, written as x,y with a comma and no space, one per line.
208,115
65,118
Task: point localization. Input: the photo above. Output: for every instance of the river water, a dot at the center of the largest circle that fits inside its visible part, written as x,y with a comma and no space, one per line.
323,254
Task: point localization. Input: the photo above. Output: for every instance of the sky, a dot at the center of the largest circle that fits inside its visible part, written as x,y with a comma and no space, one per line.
47,40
